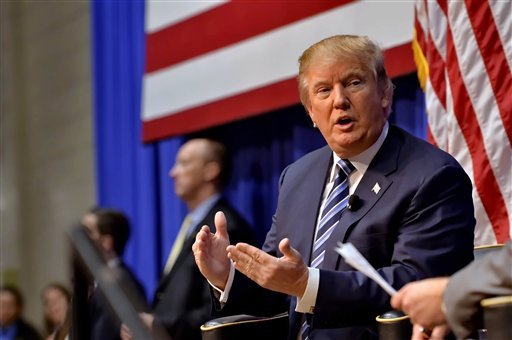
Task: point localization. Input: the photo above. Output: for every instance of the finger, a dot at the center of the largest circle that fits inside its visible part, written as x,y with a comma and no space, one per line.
246,252
396,300
203,233
125,333
221,224
287,249
248,258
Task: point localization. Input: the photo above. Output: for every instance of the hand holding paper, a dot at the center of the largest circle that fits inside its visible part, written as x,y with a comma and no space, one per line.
354,258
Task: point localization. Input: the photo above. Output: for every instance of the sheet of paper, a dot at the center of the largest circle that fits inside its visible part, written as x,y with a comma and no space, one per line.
354,258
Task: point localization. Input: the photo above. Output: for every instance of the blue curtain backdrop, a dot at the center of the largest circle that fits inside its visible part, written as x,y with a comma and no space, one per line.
133,176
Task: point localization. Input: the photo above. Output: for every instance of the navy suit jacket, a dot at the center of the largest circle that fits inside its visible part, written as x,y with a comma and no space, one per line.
419,224
182,299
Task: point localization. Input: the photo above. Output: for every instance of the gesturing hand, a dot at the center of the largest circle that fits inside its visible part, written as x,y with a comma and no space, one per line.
287,274
210,252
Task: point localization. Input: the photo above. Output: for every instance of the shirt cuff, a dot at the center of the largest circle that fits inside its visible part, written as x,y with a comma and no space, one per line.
307,303
223,298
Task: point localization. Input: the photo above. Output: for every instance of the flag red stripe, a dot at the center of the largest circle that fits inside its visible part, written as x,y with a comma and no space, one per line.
493,55
222,111
483,176
436,66
223,26
420,35
430,136
443,4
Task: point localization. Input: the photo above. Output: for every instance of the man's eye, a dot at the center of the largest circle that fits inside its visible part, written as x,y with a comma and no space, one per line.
355,82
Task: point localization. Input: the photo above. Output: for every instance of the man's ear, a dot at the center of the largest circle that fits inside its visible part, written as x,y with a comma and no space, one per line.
310,114
211,171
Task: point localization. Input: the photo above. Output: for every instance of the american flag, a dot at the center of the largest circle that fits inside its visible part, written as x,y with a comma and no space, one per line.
211,62
463,50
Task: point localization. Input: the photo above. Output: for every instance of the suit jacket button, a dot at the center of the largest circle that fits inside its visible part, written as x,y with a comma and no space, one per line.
159,296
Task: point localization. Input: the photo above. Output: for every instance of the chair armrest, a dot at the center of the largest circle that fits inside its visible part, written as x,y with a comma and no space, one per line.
497,317
246,327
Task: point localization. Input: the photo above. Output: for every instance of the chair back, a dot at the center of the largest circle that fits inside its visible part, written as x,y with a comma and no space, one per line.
246,327
481,251
498,317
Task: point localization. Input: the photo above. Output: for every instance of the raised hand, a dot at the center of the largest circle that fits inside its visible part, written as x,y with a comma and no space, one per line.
287,274
210,252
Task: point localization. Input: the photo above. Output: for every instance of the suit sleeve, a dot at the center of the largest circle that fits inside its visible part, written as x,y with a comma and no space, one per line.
430,233
486,277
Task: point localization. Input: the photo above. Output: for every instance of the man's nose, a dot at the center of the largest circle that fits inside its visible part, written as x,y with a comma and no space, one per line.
341,100
172,172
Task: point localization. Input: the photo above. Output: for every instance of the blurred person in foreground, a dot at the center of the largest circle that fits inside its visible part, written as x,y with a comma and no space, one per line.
439,304
182,300
56,300
12,324
411,215
110,230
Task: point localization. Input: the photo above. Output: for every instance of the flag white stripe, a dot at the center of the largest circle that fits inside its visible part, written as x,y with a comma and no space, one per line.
160,14
245,66
437,27
437,120
502,13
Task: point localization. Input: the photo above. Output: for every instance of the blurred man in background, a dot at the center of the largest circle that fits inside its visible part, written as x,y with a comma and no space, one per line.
182,300
110,230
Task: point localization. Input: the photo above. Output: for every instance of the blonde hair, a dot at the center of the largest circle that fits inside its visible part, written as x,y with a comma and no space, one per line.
345,47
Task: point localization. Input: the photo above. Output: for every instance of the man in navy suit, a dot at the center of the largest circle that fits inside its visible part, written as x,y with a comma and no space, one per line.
412,218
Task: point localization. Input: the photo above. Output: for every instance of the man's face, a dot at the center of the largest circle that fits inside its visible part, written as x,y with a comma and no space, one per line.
90,222
346,105
9,311
188,170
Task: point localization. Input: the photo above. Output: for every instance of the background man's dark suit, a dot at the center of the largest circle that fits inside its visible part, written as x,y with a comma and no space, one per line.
182,300
419,224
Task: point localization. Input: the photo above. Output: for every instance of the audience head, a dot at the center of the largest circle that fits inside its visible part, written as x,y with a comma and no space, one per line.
202,168
109,228
11,302
346,91
56,301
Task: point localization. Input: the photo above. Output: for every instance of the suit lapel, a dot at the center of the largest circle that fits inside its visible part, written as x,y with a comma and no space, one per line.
372,187
312,192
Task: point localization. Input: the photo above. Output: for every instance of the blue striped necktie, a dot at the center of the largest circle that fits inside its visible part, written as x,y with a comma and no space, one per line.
330,215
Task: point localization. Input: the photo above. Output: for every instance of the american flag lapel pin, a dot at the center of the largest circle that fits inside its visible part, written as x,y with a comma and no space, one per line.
376,188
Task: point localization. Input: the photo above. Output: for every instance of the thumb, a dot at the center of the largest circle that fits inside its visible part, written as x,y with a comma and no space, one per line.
221,225
287,249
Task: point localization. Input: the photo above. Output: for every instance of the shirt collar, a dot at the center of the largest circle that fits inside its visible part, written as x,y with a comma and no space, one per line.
114,262
199,213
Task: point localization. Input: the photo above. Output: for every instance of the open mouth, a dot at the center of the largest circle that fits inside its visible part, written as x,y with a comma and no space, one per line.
344,121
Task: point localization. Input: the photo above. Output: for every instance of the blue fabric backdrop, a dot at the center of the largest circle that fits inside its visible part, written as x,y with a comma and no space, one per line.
133,176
